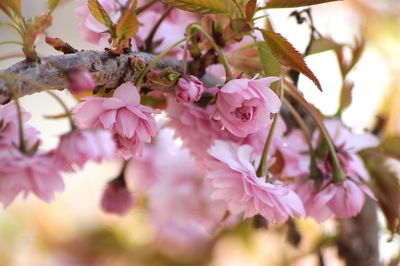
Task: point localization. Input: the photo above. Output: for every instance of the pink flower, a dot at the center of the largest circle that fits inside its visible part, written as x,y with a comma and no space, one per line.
20,173
189,89
244,106
178,197
194,126
287,157
80,80
79,146
93,30
344,200
116,198
348,145
9,129
172,29
131,124
235,181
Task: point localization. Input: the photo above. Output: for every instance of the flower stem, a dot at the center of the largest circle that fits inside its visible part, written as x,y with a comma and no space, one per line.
307,136
156,60
145,7
222,58
338,174
64,106
21,133
262,170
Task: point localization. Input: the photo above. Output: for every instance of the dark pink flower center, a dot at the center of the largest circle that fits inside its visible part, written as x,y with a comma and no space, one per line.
245,113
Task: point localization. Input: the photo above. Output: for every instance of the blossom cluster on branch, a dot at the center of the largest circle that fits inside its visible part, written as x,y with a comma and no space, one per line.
204,156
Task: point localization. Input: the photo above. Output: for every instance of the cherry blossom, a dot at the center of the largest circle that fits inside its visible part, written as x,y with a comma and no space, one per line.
244,106
234,179
79,146
131,123
188,89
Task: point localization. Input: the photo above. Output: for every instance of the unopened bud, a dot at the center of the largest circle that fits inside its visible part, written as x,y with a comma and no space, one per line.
80,80
117,199
189,89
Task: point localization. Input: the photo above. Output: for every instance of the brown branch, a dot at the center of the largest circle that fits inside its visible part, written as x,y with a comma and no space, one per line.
109,71
358,238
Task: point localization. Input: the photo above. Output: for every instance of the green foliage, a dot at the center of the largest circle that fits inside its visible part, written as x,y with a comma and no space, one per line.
52,4
269,63
200,6
100,14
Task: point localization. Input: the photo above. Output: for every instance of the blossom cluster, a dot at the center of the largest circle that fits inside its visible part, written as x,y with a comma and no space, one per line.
197,156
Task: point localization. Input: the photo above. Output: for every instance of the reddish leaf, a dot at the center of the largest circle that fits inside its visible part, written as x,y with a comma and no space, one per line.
287,55
385,185
250,9
295,3
128,25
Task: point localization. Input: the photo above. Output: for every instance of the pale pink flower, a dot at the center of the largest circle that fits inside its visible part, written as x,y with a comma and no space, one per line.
188,89
131,123
235,181
172,29
194,126
94,31
287,156
9,129
117,199
181,238
179,201
80,80
344,199
244,106
21,173
348,145
79,146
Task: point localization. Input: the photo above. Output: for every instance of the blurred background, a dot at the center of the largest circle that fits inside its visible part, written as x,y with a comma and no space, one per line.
72,230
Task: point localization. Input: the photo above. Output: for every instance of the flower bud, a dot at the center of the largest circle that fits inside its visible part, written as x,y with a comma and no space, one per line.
117,199
189,89
80,80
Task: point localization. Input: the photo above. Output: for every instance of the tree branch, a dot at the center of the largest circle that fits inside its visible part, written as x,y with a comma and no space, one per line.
109,71
358,237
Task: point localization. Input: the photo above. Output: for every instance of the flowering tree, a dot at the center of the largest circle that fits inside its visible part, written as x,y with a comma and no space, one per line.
198,100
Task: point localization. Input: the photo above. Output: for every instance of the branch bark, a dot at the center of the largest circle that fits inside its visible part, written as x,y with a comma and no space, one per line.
358,237
109,71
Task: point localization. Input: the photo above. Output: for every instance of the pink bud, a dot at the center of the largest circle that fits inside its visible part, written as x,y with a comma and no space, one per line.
80,80
116,198
189,89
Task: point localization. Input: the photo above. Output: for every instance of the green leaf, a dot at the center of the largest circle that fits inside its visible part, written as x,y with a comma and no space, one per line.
295,3
200,6
235,8
287,55
15,5
269,63
128,25
385,185
52,4
323,44
100,14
